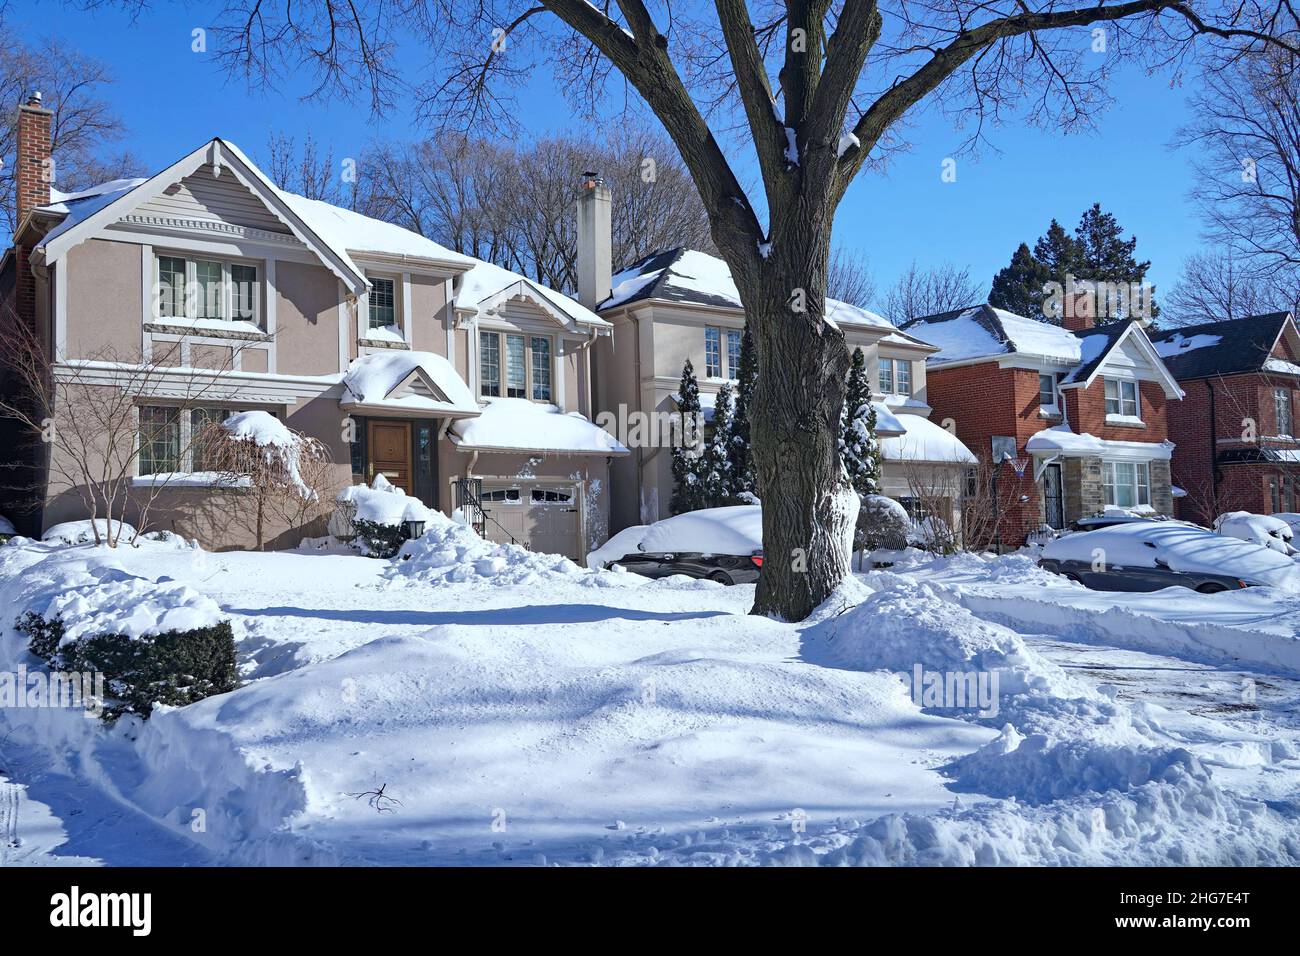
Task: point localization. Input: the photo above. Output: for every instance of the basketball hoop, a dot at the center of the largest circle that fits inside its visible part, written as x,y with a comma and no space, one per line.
1019,464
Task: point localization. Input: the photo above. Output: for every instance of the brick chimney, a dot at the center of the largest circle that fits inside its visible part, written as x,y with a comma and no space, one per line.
1078,311
35,171
595,241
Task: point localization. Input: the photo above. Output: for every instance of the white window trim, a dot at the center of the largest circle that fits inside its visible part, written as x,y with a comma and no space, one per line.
528,336
1053,408
731,374
190,258
401,308
1282,395
722,353
1138,504
1122,417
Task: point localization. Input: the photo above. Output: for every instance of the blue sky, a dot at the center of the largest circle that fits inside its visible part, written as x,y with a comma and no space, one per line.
172,99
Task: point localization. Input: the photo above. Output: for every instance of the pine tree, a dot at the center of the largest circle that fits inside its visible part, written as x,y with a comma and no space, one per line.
1018,288
1104,255
715,465
742,465
1058,254
859,449
688,490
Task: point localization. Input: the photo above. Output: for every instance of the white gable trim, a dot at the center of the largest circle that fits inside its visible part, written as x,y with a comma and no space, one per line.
1143,343
523,290
223,161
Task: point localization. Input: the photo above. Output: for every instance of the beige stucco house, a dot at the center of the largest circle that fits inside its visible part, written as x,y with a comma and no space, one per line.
454,378
682,304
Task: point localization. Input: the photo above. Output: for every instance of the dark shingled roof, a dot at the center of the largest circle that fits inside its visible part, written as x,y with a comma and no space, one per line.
1094,352
1245,345
659,288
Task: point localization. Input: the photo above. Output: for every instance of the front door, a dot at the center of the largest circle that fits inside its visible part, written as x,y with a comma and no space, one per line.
390,453
1053,502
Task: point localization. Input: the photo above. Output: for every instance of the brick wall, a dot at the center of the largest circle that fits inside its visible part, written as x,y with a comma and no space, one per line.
32,175
1087,413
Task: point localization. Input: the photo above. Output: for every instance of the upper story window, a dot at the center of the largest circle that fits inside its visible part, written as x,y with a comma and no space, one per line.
712,351
210,289
1047,397
383,302
515,365
1121,398
895,376
733,353
1282,409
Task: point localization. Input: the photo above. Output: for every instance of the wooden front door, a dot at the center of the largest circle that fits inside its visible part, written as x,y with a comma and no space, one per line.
390,453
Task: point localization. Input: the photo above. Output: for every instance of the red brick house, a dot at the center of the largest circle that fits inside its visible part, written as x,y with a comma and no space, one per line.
1084,407
1234,431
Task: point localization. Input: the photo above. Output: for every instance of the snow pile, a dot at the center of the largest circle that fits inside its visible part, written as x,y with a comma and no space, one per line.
1267,531
83,532
734,530
517,423
384,503
1179,548
622,544
451,553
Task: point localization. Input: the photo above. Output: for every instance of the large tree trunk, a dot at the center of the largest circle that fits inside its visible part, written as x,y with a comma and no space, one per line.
809,508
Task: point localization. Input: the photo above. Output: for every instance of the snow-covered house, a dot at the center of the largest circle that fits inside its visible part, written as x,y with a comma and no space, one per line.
1084,407
1238,447
682,304
447,375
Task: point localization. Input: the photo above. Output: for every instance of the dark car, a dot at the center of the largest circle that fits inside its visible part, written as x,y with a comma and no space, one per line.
1148,556
724,568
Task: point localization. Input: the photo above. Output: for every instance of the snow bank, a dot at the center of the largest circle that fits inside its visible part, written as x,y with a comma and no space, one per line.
83,532
1180,548
734,530
451,553
1267,531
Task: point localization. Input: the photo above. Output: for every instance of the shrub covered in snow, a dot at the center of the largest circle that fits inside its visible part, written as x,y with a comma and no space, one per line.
175,668
883,525
83,532
1265,530
371,518
450,552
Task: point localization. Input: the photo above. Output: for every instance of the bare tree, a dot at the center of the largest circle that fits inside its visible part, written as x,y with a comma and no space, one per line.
83,125
849,278
820,85
81,423
1247,136
311,172
1219,285
921,292
279,473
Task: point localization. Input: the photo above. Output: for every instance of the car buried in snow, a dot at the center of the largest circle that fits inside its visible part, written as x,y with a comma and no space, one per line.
1149,556
720,544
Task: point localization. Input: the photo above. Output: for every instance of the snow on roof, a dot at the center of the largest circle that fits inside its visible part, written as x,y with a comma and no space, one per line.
486,280
1060,438
925,441
686,275
79,206
371,378
983,331
887,421
518,424
1179,343
734,530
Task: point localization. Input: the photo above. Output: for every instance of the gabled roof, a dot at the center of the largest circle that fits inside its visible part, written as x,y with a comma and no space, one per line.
487,286
1229,347
697,278
981,331
334,234
403,382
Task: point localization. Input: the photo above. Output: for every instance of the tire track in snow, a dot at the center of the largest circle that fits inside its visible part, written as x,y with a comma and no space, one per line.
10,796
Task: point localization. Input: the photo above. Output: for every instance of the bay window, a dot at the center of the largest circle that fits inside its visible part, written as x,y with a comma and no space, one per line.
193,288
1121,398
1126,484
514,365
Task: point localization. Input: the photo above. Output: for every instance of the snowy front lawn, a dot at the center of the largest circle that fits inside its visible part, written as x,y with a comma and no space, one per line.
514,709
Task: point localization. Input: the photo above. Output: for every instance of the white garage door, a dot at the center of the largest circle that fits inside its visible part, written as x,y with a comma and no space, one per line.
542,516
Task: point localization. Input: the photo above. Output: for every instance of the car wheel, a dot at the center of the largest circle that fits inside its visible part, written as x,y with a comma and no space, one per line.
722,577
1071,576
1211,587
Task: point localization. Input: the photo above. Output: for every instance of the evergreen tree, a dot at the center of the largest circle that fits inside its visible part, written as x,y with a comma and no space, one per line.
1018,287
688,490
859,449
1104,255
1058,254
715,465
742,465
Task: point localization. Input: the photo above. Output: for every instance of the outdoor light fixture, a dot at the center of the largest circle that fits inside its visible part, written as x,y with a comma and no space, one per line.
413,523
